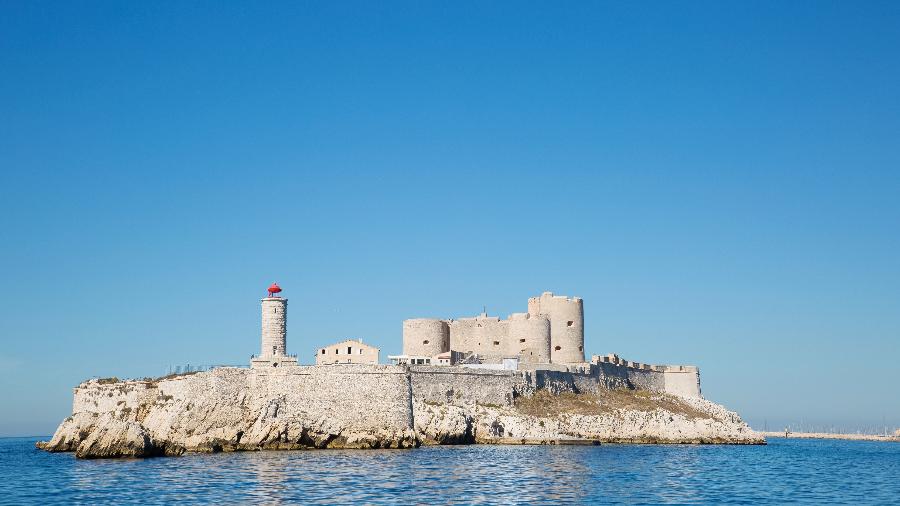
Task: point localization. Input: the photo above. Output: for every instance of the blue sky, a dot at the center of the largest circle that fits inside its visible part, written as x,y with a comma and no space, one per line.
718,180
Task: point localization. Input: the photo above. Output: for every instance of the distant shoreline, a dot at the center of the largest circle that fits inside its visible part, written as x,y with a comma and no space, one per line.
828,435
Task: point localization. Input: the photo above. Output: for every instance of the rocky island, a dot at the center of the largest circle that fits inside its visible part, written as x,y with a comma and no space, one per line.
465,393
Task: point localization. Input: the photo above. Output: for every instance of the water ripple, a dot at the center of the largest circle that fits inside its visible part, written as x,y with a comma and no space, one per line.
793,471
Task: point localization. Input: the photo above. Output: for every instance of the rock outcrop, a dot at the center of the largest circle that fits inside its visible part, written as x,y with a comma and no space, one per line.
355,406
660,419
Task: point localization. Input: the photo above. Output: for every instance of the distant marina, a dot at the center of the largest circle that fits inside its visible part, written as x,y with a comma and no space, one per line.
895,438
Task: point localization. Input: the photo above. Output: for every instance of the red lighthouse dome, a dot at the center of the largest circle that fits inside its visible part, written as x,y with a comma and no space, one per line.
274,289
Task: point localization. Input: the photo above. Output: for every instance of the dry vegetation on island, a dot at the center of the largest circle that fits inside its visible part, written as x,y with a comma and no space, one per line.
607,402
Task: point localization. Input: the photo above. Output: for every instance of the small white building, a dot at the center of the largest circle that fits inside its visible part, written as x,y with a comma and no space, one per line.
350,351
445,358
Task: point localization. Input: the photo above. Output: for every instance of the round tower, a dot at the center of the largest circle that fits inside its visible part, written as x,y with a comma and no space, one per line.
529,338
567,331
566,317
274,324
425,337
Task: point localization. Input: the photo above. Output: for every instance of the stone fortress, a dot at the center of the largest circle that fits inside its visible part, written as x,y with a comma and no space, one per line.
462,381
548,338
552,331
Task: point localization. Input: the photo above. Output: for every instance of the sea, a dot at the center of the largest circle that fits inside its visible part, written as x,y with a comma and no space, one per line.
782,472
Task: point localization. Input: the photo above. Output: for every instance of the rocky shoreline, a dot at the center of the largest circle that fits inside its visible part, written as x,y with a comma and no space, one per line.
233,409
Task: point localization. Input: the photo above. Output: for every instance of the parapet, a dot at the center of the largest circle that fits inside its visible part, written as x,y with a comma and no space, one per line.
681,380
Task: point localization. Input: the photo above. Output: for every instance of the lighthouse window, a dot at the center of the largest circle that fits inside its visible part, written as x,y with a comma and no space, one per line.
323,351
336,351
521,340
349,350
496,343
274,309
570,323
425,341
558,348
360,351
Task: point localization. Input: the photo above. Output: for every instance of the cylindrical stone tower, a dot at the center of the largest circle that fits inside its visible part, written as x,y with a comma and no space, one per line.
566,325
274,324
425,337
529,338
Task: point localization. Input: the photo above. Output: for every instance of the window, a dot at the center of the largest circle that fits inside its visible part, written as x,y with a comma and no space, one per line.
274,350
360,351
275,310
558,348
349,350
425,341
496,343
323,351
336,351
274,364
581,348
570,323
521,340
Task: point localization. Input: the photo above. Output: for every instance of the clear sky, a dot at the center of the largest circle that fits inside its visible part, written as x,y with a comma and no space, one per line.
719,181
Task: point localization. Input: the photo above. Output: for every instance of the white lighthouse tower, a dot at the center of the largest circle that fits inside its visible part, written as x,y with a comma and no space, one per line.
273,350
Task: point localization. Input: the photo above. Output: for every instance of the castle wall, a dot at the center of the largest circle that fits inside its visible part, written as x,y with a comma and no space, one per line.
484,335
647,379
683,380
566,317
459,386
364,396
425,337
274,327
529,338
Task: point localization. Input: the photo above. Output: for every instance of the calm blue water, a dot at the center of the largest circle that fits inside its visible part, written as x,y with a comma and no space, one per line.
817,472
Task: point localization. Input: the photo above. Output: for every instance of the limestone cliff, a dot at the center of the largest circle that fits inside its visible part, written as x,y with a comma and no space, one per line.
374,406
621,416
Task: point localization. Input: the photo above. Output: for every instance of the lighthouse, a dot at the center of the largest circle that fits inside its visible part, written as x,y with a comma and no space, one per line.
273,347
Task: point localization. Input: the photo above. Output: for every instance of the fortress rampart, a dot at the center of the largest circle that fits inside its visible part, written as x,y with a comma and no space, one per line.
681,380
367,397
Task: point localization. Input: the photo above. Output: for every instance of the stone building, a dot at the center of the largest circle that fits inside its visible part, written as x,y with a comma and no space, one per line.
552,331
350,351
273,350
